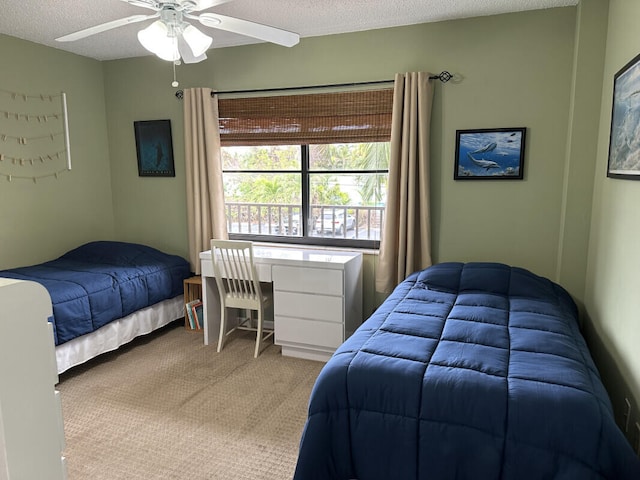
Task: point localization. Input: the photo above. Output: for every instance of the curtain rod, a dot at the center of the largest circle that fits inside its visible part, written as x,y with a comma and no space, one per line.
443,76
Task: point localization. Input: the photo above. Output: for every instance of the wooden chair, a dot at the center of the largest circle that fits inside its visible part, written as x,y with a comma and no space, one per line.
239,287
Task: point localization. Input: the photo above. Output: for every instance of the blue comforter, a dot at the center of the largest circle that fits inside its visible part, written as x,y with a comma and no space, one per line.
99,282
467,371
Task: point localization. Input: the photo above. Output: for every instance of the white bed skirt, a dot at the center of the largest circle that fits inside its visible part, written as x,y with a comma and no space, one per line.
117,333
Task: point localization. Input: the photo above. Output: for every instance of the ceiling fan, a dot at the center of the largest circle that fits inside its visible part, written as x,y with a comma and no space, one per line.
171,37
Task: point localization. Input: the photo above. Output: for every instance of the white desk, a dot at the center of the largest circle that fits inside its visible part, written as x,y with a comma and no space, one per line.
317,299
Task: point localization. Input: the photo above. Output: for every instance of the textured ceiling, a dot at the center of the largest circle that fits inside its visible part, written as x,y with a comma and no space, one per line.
42,21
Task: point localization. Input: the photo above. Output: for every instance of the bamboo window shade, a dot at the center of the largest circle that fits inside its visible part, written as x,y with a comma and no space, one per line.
340,117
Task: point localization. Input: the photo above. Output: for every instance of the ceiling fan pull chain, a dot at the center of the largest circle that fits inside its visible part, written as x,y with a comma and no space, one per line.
175,82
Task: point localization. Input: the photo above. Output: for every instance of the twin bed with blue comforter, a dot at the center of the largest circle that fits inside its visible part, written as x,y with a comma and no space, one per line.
467,371
102,282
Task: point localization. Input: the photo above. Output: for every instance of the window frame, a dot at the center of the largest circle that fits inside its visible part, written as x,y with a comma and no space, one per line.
305,238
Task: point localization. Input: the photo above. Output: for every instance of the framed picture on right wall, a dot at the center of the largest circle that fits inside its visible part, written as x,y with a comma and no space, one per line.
624,139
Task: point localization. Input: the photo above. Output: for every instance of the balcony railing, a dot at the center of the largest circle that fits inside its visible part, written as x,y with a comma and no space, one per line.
336,221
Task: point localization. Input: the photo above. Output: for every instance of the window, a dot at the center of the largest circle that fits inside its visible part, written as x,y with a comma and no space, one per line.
331,194
307,168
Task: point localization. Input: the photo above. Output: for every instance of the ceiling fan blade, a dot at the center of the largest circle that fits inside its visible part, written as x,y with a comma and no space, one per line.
105,26
150,4
204,4
250,29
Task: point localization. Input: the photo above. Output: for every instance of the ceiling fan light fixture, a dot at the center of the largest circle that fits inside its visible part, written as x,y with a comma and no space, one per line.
198,42
157,39
169,52
151,35
187,54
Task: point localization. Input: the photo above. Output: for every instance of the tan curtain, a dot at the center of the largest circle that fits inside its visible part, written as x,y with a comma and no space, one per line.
406,240
205,196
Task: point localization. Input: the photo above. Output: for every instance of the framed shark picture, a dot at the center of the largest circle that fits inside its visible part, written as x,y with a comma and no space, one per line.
490,154
154,147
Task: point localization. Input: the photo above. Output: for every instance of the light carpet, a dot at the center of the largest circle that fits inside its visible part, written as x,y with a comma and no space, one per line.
167,407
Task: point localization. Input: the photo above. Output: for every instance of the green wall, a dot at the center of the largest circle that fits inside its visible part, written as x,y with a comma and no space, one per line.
39,221
582,141
612,299
511,70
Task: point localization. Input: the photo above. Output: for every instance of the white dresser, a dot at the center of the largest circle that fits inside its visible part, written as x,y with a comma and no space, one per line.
317,298
31,428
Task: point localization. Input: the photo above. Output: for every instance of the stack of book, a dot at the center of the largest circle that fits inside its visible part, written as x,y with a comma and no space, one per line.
195,315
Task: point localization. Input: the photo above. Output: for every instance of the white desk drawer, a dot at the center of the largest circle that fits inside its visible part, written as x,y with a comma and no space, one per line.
311,280
308,332
305,305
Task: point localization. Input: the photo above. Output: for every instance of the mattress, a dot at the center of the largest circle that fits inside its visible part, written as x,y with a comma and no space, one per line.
466,371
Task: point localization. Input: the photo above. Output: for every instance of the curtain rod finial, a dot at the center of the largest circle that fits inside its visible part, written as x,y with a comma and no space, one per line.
179,94
443,76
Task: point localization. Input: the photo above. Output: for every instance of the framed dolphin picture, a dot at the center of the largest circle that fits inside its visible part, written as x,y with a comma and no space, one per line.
490,154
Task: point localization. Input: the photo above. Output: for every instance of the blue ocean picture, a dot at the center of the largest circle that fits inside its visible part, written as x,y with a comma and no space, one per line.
624,150
490,153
